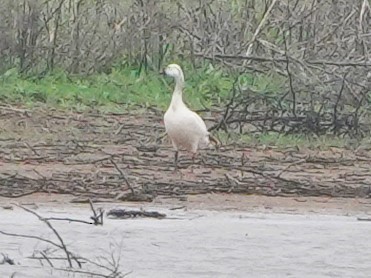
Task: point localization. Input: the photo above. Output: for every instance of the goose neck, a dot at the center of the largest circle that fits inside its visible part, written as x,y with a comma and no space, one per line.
179,83
177,99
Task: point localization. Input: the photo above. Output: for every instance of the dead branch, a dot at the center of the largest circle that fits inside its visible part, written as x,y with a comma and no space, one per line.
363,219
122,175
68,220
32,237
257,31
62,244
97,217
124,214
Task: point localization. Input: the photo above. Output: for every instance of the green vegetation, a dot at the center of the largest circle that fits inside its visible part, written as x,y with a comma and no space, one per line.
121,89
126,89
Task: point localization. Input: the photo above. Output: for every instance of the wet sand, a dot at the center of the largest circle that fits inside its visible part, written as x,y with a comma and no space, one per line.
219,202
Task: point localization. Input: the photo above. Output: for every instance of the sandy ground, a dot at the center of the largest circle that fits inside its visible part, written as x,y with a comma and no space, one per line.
217,202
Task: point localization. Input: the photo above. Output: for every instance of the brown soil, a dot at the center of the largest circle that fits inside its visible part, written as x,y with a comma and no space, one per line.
217,202
120,157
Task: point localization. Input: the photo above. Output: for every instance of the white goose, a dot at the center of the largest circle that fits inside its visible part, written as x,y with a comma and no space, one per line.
185,128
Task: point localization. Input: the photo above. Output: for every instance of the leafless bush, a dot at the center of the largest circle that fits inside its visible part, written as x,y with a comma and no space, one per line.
320,48
321,51
83,36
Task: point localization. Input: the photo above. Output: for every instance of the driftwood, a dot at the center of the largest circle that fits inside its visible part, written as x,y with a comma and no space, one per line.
125,214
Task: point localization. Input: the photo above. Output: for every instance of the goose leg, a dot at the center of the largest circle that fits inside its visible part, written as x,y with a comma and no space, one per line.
203,162
176,159
194,155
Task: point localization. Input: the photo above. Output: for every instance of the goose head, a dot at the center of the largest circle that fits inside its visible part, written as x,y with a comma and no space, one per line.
175,71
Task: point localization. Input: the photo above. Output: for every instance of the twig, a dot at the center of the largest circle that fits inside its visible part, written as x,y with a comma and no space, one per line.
257,31
337,103
290,78
46,258
62,246
69,220
33,237
364,219
223,120
118,131
176,208
97,218
123,176
123,214
21,194
290,165
24,111
31,148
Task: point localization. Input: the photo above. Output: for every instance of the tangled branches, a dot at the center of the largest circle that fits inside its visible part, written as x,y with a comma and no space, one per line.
252,112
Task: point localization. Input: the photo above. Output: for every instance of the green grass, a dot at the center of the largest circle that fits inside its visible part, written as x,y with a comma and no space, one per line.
119,90
124,88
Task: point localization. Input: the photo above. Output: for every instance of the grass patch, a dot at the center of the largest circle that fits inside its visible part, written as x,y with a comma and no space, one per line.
125,88
117,91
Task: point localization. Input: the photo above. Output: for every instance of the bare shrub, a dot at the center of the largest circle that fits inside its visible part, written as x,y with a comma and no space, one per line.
320,49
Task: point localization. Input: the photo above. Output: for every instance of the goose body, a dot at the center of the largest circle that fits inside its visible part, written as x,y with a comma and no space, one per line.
186,129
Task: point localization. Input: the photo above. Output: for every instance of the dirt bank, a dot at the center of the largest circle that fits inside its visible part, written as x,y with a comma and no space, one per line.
119,157
212,202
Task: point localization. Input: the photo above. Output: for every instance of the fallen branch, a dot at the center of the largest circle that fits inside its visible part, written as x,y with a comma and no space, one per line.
364,219
123,176
68,220
124,214
62,244
97,218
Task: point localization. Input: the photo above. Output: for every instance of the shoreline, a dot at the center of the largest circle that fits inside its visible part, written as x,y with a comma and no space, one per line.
213,202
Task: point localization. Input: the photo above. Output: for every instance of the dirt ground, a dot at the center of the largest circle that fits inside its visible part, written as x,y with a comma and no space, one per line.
359,207
120,157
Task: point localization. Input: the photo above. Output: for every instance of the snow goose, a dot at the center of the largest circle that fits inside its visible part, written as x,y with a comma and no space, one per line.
185,128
